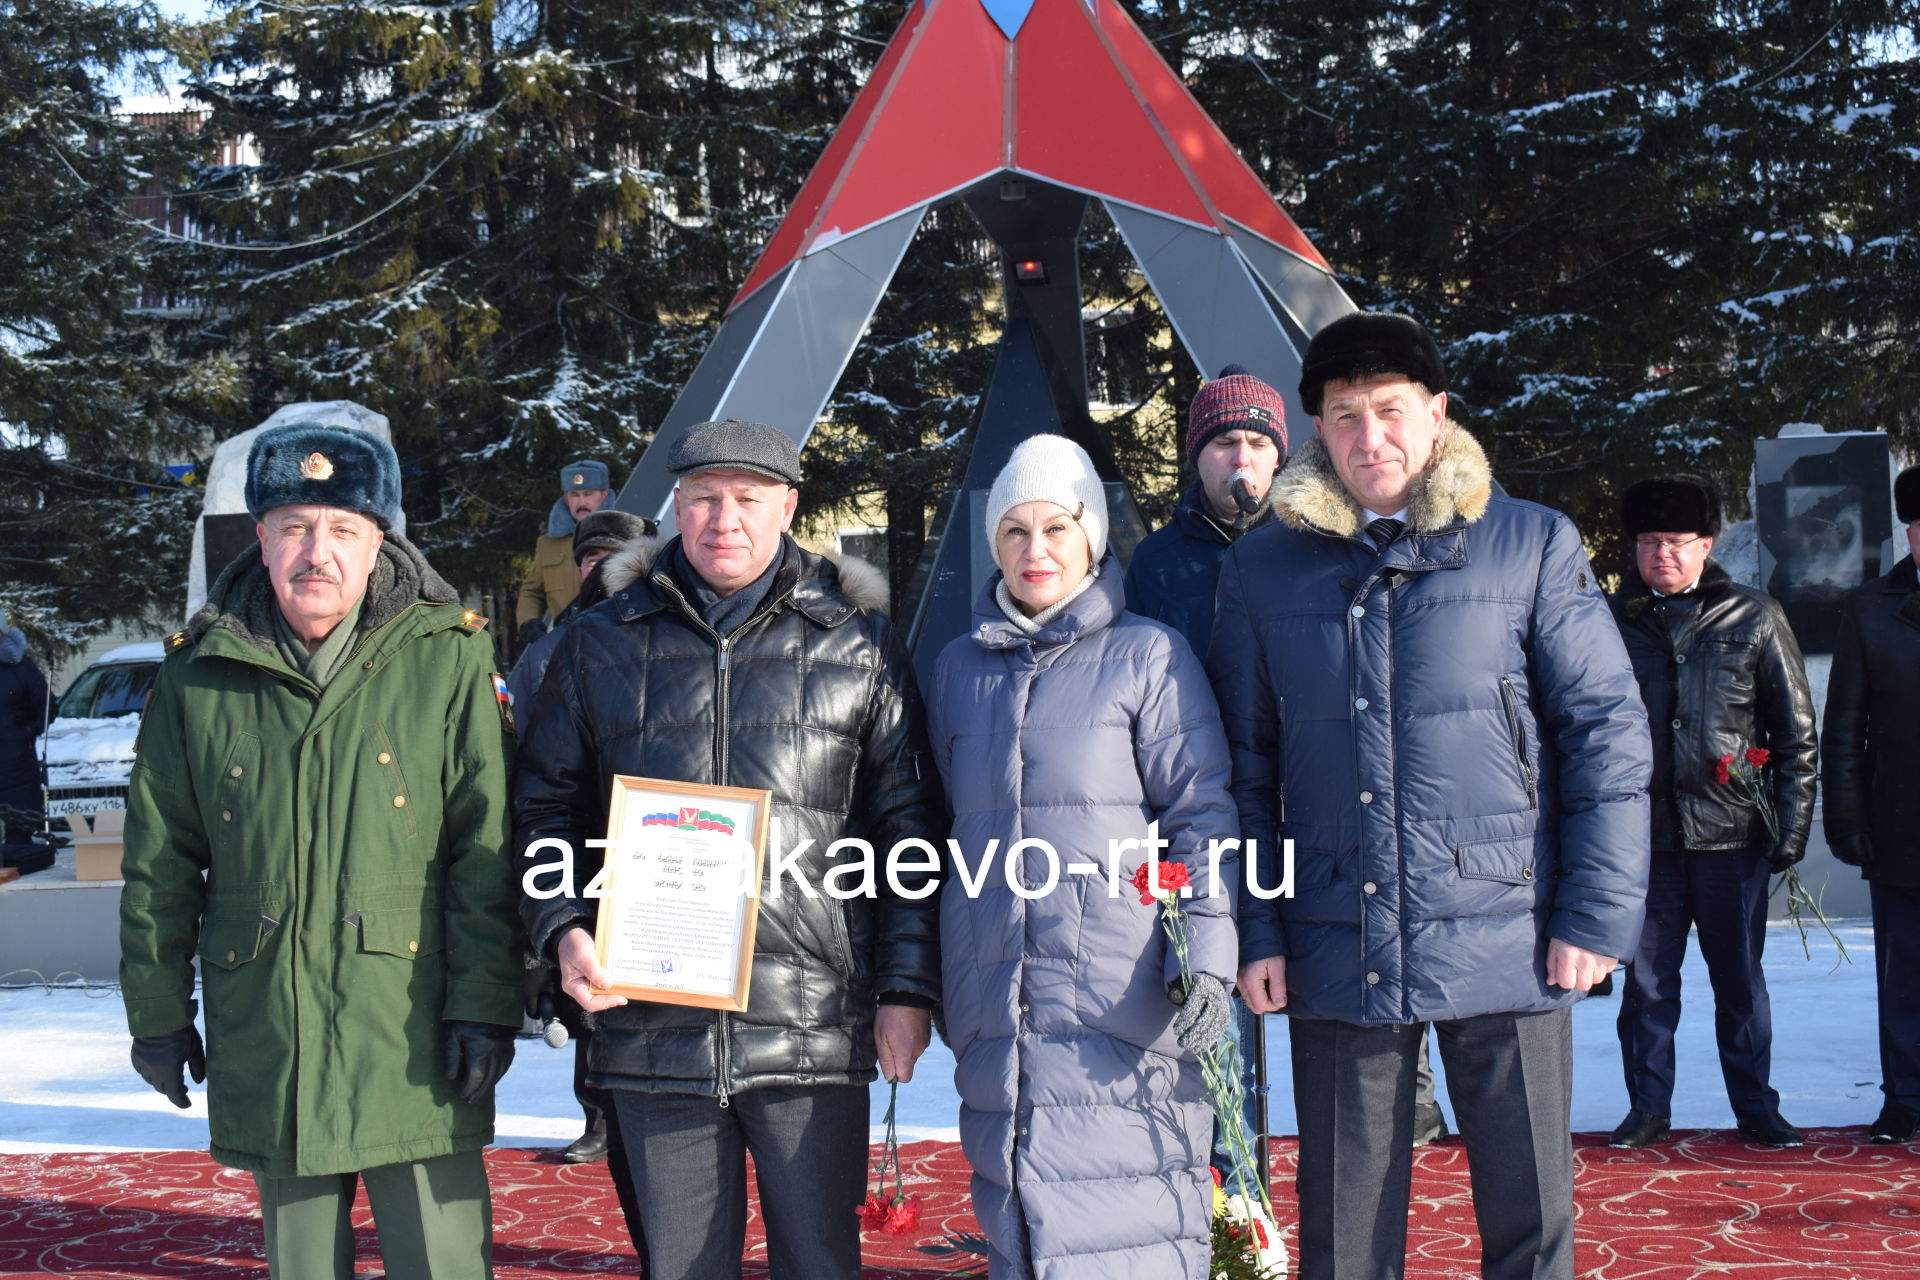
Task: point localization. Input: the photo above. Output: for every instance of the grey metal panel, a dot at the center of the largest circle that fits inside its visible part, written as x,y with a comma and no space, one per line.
1309,295
1217,307
776,359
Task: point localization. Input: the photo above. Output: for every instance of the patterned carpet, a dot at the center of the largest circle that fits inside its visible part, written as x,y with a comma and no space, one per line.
1706,1205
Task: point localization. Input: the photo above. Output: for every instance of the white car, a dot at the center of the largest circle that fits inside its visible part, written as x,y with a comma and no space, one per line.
88,749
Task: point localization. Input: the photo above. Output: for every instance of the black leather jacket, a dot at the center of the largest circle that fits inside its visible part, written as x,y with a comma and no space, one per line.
1720,672
1871,738
813,698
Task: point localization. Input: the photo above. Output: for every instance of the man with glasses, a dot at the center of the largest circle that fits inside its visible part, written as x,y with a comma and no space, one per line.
1722,676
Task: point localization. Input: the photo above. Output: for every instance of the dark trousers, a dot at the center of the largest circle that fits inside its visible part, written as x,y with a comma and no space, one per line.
1510,1078
688,1156
1722,894
1896,952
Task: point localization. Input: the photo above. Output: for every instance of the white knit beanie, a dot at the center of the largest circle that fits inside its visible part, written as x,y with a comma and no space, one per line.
1051,468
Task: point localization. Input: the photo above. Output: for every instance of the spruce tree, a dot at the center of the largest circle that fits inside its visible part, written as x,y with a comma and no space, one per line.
98,389
1645,233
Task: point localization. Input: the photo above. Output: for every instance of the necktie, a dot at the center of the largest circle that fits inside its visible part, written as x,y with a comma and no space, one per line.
1384,530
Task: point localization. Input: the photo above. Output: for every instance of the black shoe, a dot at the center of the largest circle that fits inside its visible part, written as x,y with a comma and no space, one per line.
1428,1123
1640,1130
587,1148
1896,1124
1770,1130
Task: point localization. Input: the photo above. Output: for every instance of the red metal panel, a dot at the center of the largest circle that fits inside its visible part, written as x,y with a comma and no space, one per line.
1234,189
1079,123
790,237
939,129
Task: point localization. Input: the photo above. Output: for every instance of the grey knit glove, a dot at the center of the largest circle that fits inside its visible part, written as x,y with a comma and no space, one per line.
1204,1016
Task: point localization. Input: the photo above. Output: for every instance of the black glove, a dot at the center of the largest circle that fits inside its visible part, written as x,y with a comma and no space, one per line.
1204,1015
1855,851
538,984
1780,859
159,1060
532,629
478,1054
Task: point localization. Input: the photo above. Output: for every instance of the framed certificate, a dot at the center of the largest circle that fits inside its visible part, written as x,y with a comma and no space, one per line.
680,900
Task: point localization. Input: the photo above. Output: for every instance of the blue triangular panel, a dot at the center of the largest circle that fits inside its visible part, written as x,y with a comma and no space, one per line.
1008,14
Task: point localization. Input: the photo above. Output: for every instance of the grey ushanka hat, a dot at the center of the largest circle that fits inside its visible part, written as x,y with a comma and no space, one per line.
584,474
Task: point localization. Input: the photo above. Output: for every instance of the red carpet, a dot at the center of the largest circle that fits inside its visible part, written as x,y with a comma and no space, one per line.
1837,1209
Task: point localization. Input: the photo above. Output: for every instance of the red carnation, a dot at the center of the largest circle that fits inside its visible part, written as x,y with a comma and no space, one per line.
1757,757
1723,769
1173,878
903,1216
1216,1176
873,1214
1260,1233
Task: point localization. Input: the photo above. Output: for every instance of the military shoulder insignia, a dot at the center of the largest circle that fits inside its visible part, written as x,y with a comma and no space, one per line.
505,700
474,622
316,466
178,640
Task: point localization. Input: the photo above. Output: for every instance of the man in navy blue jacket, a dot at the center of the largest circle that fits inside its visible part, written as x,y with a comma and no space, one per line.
1426,695
1236,444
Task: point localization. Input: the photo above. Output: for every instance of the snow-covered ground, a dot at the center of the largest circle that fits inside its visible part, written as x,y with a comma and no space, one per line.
65,1084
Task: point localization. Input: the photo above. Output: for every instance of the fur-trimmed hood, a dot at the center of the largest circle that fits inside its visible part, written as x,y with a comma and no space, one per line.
13,646
242,597
864,586
1456,487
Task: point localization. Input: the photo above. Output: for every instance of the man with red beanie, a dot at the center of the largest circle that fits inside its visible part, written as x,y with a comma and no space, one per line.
1236,432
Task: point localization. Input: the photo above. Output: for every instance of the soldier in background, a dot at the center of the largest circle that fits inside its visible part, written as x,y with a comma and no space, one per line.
551,581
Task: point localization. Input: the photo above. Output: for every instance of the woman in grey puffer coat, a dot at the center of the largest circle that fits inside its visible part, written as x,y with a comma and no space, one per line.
1061,718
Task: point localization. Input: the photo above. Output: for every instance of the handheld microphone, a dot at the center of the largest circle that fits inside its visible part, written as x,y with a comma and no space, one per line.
1240,485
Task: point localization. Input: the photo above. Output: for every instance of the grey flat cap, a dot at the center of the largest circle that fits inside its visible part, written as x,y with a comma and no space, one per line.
747,446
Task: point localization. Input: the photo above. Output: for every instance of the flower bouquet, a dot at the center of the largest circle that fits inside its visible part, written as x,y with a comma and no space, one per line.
1246,1239
898,1213
1748,778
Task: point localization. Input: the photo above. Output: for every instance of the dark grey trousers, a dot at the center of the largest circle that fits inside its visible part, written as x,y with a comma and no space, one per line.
1510,1078
688,1156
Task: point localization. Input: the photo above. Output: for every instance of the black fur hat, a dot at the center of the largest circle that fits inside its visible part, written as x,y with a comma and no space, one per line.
1671,504
608,531
1368,343
311,464
1906,495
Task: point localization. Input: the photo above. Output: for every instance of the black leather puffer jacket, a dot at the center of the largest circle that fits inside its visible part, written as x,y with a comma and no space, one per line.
813,699
1720,672
1871,738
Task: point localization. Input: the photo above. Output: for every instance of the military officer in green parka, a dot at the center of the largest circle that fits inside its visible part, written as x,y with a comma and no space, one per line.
318,811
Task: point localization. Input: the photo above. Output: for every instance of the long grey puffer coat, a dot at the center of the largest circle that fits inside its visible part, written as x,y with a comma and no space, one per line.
1085,1123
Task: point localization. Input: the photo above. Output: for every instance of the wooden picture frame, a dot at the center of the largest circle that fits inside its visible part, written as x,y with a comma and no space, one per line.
680,891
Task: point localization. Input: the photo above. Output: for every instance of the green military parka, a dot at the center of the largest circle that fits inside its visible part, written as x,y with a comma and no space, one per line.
339,862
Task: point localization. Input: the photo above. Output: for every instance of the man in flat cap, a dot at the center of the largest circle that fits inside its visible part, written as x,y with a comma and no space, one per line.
1870,741
551,581
1425,694
1722,676
318,812
736,658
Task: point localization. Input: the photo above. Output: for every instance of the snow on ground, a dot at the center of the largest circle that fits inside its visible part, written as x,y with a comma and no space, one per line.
65,1084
